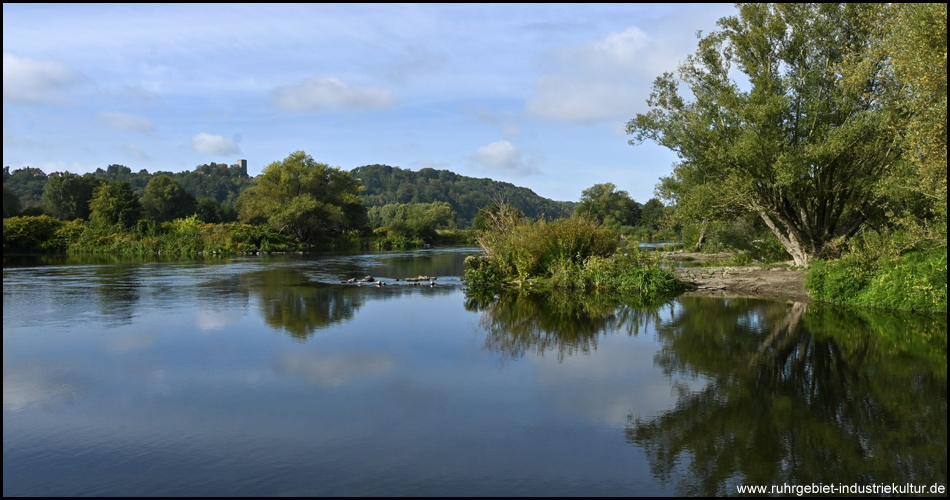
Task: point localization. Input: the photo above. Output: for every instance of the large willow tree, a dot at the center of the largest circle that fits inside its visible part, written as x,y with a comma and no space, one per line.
304,198
792,138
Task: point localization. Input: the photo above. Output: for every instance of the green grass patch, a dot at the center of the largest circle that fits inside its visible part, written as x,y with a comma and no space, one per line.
914,281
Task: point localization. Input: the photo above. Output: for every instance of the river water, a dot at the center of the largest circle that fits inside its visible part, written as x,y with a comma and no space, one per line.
265,375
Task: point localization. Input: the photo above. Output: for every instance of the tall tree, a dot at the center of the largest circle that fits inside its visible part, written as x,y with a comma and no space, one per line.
913,42
67,195
304,198
798,144
608,206
11,203
165,200
114,204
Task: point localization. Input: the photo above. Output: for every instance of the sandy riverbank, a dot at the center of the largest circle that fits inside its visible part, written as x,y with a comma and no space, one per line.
777,282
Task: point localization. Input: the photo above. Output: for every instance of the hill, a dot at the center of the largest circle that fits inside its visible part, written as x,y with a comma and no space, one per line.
467,195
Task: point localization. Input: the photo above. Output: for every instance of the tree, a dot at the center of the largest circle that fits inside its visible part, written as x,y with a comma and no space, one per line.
67,195
805,148
306,199
27,184
914,45
114,204
11,203
608,206
652,214
165,200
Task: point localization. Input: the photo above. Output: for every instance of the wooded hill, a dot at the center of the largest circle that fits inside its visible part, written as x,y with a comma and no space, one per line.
384,185
467,195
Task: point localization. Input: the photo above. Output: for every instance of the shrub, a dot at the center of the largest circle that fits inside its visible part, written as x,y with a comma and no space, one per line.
31,234
567,253
914,281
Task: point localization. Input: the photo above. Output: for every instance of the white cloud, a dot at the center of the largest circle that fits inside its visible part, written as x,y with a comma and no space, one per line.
28,81
607,78
213,145
326,92
504,157
125,121
629,53
583,100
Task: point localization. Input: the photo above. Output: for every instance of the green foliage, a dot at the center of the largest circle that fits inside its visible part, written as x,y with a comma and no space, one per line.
27,185
576,253
30,234
745,234
165,200
67,195
407,223
608,206
481,271
11,203
114,204
804,149
305,199
523,249
181,237
913,281
209,210
467,195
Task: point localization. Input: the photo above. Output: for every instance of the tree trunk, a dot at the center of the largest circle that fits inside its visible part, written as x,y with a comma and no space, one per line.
702,238
789,241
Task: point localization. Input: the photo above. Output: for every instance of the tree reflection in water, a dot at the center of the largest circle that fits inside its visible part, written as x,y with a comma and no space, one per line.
798,394
290,301
565,322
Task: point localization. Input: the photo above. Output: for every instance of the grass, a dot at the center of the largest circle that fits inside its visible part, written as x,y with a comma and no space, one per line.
572,253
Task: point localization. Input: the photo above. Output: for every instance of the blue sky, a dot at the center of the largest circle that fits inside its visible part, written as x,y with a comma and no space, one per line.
535,95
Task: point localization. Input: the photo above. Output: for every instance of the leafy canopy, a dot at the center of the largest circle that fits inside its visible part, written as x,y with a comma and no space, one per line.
796,143
304,198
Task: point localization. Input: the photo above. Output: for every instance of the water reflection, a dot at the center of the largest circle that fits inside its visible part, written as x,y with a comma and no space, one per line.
564,322
291,302
116,292
795,396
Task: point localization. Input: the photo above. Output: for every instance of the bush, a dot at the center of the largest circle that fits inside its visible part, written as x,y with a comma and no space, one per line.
481,271
914,281
522,248
31,234
567,253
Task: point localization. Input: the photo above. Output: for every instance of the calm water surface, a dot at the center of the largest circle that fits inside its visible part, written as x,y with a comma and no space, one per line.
267,376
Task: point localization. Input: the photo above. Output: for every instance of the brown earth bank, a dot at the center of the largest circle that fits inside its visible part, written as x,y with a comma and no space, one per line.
774,282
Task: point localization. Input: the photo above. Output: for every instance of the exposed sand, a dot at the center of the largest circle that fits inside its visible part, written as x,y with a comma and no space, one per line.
777,282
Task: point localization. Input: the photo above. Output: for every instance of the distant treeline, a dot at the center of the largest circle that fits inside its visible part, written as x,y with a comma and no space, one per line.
467,195
216,187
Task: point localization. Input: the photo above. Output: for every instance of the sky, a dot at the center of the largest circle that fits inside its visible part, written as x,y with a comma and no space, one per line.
536,95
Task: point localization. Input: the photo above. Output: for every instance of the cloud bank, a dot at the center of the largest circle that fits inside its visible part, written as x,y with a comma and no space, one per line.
28,81
326,92
213,145
504,157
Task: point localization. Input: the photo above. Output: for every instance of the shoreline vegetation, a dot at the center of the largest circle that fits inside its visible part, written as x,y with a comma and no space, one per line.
573,253
190,237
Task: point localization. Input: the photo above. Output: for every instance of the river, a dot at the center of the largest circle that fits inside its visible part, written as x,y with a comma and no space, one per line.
265,375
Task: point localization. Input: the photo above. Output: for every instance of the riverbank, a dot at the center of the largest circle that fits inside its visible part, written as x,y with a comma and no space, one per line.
752,281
